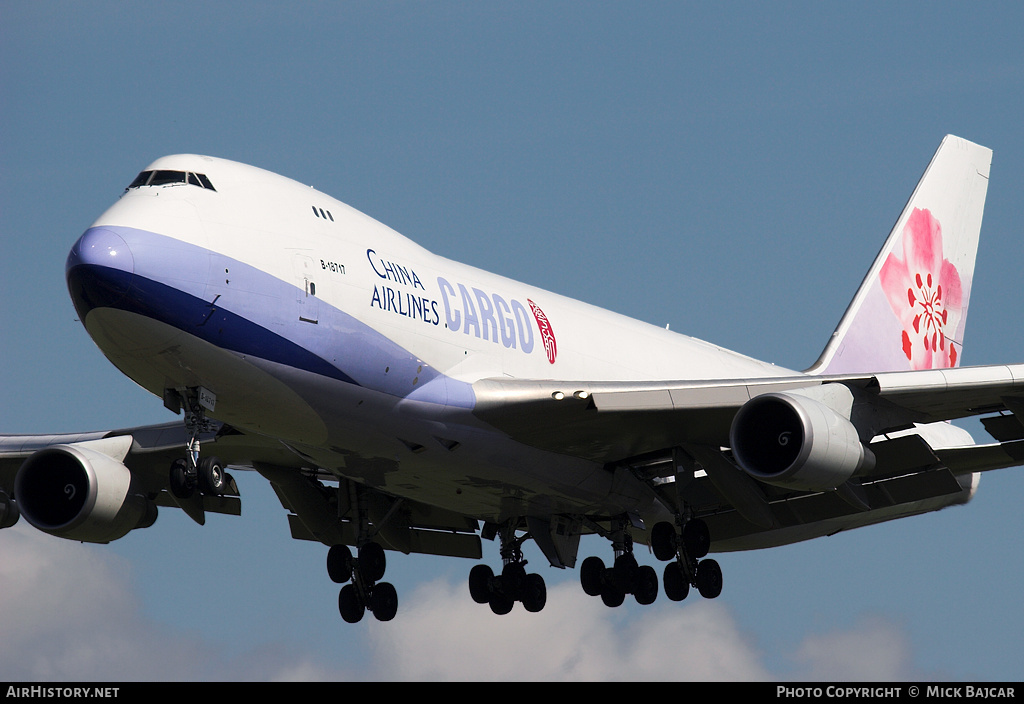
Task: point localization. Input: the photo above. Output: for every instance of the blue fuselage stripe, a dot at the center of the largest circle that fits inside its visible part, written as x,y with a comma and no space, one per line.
94,286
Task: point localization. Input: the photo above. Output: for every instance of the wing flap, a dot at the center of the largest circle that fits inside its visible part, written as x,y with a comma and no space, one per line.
982,458
805,516
225,505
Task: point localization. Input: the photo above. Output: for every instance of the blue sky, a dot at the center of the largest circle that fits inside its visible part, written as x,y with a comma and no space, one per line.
730,169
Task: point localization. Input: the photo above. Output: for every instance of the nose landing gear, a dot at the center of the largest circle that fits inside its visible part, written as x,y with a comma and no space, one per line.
189,474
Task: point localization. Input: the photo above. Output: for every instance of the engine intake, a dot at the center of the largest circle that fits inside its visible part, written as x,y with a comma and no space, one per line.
76,492
796,442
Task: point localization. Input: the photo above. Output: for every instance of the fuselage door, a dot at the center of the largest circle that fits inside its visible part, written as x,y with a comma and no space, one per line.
309,306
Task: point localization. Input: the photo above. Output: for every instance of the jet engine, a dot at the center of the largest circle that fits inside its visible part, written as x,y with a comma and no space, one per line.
77,492
796,442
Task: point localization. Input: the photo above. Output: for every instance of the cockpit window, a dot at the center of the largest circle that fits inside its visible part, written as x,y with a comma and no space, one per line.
163,178
141,180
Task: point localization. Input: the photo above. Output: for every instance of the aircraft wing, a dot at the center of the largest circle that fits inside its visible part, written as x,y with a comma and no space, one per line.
611,421
147,452
313,514
665,432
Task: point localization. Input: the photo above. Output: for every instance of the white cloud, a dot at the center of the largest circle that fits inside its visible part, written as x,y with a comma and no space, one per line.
874,650
444,635
69,612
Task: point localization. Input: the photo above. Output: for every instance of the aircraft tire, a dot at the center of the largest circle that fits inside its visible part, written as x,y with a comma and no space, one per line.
696,539
664,541
339,564
513,580
612,596
535,593
500,604
592,575
624,572
676,586
371,562
384,601
212,478
481,578
646,591
350,605
709,579
180,485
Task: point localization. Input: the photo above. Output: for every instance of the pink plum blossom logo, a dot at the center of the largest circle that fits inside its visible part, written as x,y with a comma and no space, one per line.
547,335
924,292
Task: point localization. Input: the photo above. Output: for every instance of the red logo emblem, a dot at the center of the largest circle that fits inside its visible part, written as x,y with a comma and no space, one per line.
546,333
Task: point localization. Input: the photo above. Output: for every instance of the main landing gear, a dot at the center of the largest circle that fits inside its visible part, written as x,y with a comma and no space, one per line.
366,592
624,577
686,548
362,575
501,592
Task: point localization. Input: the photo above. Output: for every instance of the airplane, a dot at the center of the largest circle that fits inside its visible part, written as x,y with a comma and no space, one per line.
400,401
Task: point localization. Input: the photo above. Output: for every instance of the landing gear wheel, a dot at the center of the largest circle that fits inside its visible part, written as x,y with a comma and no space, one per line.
623,574
696,539
612,596
350,605
535,593
709,579
339,564
676,585
212,478
645,591
182,486
481,579
513,580
384,601
664,541
592,575
372,562
500,604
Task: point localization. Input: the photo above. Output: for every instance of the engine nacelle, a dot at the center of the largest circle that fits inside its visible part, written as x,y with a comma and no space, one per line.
9,513
796,442
76,492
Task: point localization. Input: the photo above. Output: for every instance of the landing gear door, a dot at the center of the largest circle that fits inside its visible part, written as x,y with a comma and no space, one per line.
308,303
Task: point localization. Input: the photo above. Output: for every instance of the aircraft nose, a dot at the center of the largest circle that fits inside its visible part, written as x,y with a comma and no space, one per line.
100,269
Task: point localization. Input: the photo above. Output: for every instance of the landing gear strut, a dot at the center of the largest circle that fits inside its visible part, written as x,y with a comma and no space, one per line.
366,590
514,584
190,473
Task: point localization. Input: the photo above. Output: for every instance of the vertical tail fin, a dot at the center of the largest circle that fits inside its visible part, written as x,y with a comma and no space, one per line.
910,310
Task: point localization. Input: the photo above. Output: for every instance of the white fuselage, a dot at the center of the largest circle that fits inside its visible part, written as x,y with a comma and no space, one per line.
316,325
